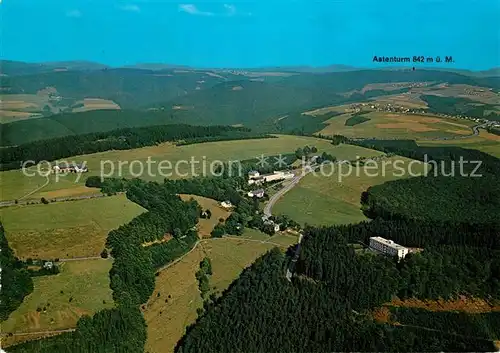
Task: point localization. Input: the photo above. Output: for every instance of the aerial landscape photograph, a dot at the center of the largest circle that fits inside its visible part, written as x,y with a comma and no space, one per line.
258,176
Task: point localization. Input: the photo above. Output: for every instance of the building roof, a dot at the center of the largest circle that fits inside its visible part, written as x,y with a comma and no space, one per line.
388,242
258,191
71,165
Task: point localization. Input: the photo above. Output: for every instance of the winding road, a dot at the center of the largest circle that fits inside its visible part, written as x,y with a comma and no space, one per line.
269,206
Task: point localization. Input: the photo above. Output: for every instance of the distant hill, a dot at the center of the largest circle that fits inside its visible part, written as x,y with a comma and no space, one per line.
157,66
130,88
273,106
16,68
308,69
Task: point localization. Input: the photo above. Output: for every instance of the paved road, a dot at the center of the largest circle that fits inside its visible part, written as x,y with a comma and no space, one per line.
269,206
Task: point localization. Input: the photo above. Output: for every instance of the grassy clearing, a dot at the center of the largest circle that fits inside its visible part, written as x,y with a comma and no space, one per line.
21,106
86,282
65,229
334,198
485,142
393,125
14,184
168,313
95,104
205,226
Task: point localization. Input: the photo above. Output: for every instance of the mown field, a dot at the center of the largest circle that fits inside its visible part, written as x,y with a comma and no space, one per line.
176,297
65,229
401,126
94,104
205,225
176,163
57,302
334,198
485,142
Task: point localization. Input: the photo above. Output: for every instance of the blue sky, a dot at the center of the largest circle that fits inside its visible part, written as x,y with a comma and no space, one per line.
250,33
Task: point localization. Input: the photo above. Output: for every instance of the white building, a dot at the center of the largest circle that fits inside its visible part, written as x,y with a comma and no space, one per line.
275,176
253,174
226,204
70,168
258,193
388,247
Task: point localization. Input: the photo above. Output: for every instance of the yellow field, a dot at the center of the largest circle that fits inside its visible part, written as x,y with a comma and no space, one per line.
475,93
205,226
394,125
334,198
95,104
76,191
65,229
168,314
176,162
485,142
86,282
412,100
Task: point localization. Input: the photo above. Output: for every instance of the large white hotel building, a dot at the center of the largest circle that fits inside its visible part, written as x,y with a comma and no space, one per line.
388,247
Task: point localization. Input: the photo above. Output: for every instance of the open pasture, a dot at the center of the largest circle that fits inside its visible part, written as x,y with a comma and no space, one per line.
334,198
176,296
485,142
176,162
65,229
394,125
205,225
94,104
58,301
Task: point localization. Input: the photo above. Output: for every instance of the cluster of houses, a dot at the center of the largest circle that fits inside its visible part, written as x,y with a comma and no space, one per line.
254,177
70,168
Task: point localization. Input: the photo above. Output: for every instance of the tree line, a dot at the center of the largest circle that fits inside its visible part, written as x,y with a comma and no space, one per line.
15,279
119,139
263,312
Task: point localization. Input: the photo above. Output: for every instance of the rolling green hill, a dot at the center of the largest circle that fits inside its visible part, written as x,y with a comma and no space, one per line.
128,87
203,98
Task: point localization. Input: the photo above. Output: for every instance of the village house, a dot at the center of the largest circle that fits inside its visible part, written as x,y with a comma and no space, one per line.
259,193
48,265
271,222
70,168
275,176
253,174
226,204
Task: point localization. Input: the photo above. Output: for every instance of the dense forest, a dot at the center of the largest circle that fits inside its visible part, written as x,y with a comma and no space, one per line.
452,190
439,271
460,106
356,119
121,139
120,330
16,282
262,312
